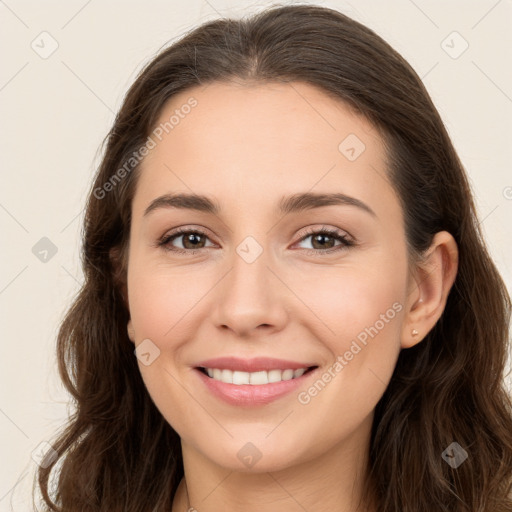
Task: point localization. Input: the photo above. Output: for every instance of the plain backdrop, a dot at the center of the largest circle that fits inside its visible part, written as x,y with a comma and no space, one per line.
65,69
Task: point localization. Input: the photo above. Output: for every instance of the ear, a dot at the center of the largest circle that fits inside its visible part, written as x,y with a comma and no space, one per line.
119,276
119,272
429,287
131,331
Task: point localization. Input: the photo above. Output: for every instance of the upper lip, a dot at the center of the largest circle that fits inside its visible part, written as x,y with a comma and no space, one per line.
252,365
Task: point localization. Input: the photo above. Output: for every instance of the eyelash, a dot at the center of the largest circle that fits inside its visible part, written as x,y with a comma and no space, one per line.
164,242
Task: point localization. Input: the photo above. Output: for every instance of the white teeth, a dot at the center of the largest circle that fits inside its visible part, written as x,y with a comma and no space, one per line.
254,378
274,375
298,373
240,378
257,378
287,375
227,376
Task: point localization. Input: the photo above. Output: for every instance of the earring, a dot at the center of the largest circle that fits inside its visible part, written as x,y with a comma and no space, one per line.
414,332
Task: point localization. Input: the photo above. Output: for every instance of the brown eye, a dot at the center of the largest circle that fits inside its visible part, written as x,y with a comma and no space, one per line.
191,240
324,241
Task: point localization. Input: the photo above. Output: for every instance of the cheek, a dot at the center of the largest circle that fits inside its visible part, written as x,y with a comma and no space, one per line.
364,306
162,302
361,308
365,294
160,299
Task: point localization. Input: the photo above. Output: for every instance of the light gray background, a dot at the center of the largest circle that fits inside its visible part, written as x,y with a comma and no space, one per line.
56,111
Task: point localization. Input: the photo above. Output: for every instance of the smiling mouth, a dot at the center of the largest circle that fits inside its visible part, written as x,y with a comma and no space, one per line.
254,378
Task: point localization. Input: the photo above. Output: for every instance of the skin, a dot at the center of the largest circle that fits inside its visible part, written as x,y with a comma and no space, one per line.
246,146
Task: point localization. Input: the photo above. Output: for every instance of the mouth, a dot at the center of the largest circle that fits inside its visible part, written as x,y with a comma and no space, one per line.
259,378
253,389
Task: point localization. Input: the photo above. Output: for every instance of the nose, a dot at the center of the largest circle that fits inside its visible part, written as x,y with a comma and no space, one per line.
251,299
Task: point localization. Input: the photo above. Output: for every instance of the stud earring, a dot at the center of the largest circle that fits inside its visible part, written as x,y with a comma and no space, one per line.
414,332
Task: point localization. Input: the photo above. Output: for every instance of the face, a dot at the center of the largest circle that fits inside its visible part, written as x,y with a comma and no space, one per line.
306,282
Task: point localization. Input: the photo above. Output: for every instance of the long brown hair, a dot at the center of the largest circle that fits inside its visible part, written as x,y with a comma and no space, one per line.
117,452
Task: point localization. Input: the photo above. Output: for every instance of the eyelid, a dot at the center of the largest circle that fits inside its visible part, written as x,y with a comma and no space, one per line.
327,229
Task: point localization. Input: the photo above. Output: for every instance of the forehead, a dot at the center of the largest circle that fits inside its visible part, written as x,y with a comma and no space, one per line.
251,142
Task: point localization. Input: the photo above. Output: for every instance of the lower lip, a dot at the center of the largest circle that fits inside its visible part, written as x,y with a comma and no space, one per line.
252,395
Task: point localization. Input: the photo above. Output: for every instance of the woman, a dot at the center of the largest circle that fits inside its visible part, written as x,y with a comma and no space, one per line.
219,363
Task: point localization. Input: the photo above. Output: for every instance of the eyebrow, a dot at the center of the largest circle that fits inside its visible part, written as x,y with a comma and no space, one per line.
295,203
